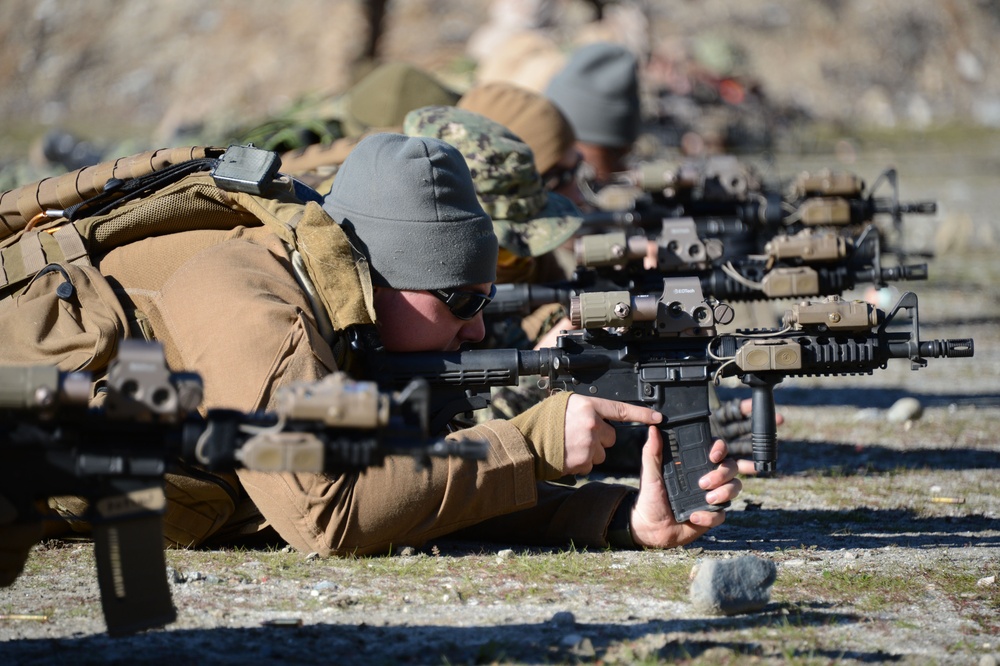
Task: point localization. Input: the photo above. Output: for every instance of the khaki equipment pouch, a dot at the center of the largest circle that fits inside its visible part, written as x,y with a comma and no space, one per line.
57,309
66,316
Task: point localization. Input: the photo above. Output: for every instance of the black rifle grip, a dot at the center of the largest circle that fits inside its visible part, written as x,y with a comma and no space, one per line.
687,446
764,428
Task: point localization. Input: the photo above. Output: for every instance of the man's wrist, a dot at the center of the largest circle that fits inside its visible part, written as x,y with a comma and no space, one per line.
619,535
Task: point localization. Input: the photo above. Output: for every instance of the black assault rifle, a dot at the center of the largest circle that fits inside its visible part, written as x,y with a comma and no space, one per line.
804,265
730,203
115,456
662,351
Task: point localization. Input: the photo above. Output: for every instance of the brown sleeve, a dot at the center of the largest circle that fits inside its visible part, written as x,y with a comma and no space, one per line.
544,430
563,515
395,504
227,308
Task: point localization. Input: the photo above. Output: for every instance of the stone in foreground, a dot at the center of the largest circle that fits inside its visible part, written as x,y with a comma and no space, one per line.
731,587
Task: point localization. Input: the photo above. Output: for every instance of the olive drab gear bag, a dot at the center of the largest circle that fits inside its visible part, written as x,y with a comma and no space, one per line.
57,309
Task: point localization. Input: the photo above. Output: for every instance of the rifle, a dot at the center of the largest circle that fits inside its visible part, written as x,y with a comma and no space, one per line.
116,455
663,351
731,203
806,264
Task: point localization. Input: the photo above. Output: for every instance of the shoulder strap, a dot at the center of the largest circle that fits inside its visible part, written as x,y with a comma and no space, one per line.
201,193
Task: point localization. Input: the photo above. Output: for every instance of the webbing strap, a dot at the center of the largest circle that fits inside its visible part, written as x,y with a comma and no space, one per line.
32,255
71,244
117,192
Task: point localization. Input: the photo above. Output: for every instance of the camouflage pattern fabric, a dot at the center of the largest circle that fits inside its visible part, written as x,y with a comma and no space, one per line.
528,221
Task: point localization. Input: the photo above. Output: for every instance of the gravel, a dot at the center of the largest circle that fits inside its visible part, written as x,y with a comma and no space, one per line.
885,535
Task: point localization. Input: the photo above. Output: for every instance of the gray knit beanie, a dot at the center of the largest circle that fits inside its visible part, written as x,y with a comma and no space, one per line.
410,203
598,92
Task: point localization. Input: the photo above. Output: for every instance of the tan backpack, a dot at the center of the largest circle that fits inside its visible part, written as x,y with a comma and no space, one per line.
57,309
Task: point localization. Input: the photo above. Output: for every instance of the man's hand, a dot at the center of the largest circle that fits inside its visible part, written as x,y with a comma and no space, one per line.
653,524
551,338
588,432
16,540
746,409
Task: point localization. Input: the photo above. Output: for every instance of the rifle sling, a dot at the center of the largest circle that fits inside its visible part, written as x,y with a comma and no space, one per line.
118,192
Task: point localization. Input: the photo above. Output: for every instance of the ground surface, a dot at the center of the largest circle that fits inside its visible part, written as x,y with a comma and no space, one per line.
886,536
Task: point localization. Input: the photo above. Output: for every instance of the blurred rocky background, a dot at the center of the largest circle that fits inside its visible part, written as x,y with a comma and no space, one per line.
119,76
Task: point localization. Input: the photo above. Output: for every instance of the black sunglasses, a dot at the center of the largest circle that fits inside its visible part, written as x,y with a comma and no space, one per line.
465,304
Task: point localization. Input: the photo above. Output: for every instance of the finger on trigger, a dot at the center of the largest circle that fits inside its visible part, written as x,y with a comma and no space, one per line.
627,413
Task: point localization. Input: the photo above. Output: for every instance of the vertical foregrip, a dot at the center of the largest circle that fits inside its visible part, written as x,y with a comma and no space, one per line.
763,434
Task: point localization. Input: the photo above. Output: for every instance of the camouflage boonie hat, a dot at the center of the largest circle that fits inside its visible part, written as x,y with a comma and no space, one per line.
528,221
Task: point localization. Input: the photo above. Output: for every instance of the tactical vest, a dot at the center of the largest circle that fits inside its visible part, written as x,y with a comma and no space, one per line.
57,309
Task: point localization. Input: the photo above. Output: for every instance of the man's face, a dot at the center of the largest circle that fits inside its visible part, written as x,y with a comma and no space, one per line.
411,321
605,161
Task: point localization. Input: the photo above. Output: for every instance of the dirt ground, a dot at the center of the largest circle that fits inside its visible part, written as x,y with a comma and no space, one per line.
886,536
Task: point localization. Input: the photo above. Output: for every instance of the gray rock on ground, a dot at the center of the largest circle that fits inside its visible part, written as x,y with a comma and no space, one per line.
731,587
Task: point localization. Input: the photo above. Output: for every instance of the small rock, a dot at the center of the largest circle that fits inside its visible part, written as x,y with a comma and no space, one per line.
718,655
312,556
407,551
505,554
730,587
988,660
988,581
905,409
792,564
324,585
571,640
